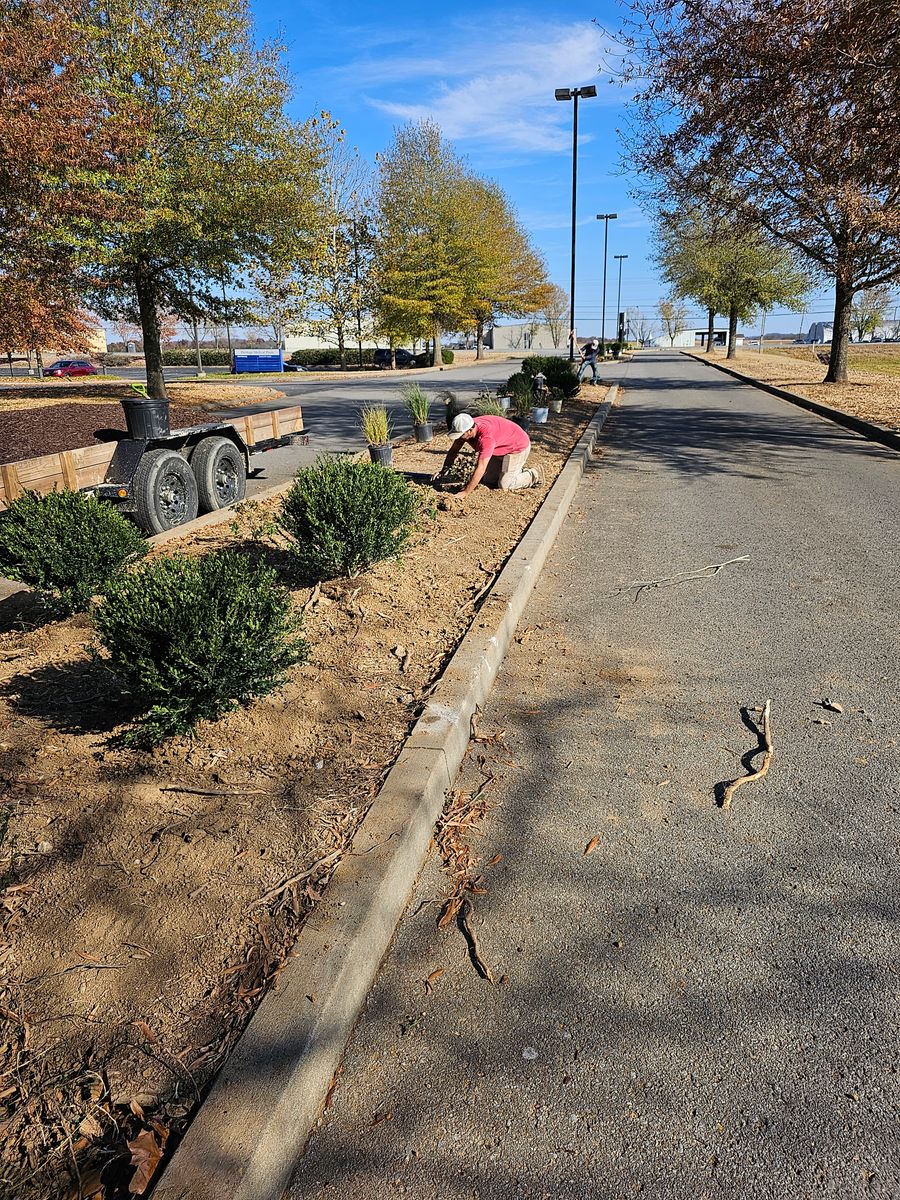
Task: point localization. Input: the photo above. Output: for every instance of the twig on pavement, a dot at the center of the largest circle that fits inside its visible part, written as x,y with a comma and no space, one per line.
766,762
465,912
707,572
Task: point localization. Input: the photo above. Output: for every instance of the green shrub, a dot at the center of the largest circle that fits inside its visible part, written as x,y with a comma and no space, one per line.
65,545
193,638
558,372
344,515
330,357
447,357
188,357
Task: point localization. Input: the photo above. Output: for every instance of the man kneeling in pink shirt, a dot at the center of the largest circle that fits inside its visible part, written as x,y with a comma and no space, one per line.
502,447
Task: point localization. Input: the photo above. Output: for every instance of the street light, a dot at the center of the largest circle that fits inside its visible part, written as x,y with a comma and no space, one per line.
621,258
573,94
605,218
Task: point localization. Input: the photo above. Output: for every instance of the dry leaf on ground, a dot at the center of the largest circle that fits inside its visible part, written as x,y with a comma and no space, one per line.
146,1152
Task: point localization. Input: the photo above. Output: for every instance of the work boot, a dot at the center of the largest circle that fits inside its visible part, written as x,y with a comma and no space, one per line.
537,475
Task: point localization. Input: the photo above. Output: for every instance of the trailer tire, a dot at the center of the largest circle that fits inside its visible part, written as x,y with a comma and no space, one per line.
220,471
165,491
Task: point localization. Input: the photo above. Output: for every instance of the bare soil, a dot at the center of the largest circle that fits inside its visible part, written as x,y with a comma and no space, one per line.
145,907
873,395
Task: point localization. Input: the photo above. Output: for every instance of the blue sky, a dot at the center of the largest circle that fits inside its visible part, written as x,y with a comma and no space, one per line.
487,76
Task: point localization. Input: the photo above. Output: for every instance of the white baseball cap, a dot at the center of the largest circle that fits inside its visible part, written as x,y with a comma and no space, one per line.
462,423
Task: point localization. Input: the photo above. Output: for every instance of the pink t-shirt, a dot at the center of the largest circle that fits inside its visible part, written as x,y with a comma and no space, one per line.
497,435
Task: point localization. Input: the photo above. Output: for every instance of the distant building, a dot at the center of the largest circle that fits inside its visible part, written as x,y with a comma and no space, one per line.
818,334
691,339
524,335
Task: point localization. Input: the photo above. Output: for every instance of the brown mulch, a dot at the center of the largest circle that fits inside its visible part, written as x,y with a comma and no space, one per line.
66,416
143,898
30,432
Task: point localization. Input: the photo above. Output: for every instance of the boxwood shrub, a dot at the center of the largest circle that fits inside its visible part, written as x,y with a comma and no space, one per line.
330,358
342,516
67,546
188,357
193,638
558,372
447,357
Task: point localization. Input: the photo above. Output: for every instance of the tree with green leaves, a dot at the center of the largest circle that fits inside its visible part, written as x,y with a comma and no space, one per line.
504,275
713,257
215,176
870,308
450,252
422,235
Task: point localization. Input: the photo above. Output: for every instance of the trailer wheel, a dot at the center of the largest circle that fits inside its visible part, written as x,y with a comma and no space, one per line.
221,475
165,491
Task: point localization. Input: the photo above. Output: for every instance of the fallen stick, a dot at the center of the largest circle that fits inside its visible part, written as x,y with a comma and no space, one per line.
766,762
465,912
282,887
688,576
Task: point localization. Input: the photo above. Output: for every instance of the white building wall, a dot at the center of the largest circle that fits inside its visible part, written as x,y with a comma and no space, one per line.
525,336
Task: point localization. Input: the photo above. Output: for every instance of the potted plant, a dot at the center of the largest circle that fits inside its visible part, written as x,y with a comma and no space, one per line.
520,407
373,419
556,400
417,405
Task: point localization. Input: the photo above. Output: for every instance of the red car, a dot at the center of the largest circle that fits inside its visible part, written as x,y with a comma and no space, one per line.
70,366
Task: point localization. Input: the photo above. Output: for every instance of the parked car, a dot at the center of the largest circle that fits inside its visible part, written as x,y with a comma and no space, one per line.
65,367
402,358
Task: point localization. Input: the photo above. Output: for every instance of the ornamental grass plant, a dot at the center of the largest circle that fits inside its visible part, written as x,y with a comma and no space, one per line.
375,424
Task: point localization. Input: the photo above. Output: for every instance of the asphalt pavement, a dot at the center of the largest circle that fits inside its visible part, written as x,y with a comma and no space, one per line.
706,1004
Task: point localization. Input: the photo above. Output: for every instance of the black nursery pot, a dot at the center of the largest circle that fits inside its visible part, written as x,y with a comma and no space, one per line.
383,455
522,422
424,433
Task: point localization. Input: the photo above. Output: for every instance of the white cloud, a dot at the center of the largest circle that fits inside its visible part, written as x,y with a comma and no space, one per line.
493,86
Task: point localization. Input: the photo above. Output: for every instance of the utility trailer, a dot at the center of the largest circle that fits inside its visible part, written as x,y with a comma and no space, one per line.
161,476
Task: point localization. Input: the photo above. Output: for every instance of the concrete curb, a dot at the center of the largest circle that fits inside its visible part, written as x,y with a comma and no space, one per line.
249,1133
875,433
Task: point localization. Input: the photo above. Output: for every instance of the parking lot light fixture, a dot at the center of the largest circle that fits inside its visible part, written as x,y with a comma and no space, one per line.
605,218
620,324
574,94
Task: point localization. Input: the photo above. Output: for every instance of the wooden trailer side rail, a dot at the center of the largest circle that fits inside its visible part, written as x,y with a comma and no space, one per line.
87,466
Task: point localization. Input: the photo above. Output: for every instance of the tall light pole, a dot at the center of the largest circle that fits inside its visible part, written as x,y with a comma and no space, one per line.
621,258
573,94
605,218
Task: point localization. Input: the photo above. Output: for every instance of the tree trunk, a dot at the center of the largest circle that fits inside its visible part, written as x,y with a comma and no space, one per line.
711,331
9,360
145,287
38,362
342,349
732,332
436,353
393,353
479,340
840,335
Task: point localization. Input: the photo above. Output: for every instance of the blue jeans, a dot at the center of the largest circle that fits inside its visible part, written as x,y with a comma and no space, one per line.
589,362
